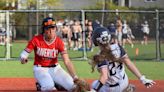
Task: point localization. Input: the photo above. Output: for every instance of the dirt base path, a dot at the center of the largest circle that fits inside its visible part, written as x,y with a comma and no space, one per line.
28,84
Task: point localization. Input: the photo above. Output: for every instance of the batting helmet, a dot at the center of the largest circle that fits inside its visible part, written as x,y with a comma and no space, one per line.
48,22
101,35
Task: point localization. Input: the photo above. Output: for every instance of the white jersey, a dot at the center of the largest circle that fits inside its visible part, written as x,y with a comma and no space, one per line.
117,78
125,29
146,28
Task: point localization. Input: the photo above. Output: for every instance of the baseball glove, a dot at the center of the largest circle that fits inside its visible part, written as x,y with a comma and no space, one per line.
81,86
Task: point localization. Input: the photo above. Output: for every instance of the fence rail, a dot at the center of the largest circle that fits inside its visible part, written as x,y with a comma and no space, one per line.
134,17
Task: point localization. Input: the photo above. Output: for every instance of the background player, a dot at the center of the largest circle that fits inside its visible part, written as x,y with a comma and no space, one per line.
110,63
145,29
46,68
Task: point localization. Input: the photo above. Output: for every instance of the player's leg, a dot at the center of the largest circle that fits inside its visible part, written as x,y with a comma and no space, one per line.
123,84
61,77
120,86
43,78
117,87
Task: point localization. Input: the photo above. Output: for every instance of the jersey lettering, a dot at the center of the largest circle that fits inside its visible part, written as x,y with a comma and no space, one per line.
112,70
113,67
50,53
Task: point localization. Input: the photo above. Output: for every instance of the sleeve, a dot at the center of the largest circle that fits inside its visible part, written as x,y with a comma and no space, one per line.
30,46
123,52
102,64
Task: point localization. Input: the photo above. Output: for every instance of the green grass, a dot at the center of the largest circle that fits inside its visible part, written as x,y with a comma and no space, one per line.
10,69
150,68
145,51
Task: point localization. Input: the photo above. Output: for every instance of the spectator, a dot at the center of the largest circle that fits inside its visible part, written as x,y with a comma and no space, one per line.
76,34
2,36
125,37
112,30
66,34
145,29
89,29
119,30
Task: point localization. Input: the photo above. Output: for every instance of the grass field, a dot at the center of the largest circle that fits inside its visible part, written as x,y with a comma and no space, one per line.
10,69
145,51
145,61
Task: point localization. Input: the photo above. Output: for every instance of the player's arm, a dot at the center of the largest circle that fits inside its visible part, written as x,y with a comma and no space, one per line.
24,56
25,53
103,69
69,65
147,82
132,67
103,75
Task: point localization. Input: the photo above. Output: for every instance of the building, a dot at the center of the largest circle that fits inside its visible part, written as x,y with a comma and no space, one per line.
63,4
82,4
140,3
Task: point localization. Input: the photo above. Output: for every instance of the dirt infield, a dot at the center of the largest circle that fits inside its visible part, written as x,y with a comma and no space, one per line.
28,84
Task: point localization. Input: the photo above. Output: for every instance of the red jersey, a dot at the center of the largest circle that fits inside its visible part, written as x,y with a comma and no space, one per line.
45,53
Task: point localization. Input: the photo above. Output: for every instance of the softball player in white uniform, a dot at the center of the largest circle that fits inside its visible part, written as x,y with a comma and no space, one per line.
117,79
112,72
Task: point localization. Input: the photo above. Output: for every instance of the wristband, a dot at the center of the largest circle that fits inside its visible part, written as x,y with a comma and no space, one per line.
24,54
98,86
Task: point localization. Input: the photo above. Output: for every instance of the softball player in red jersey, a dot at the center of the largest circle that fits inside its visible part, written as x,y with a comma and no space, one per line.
112,77
47,70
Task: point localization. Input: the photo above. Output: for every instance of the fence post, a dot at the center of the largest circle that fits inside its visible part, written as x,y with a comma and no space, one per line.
157,36
8,36
83,34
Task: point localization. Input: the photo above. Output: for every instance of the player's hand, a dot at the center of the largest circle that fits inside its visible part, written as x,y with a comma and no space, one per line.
147,82
81,86
23,60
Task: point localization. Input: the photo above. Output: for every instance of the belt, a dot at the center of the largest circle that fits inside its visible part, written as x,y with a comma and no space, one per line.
47,66
114,85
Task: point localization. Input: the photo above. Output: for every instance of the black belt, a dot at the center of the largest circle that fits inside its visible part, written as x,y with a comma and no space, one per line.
47,66
114,85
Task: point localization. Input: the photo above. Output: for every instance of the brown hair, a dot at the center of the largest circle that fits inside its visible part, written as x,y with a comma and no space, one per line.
105,54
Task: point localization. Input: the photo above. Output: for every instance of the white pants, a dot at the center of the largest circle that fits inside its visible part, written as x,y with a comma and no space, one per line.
123,83
46,76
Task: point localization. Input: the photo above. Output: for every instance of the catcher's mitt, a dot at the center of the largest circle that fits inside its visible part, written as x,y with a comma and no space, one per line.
81,86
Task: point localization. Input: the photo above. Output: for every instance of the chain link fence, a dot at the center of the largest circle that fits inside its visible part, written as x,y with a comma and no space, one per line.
21,25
